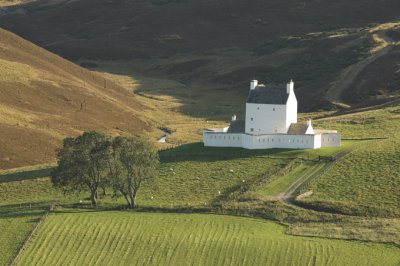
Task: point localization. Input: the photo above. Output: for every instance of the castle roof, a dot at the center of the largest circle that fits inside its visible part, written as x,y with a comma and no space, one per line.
268,95
297,129
237,126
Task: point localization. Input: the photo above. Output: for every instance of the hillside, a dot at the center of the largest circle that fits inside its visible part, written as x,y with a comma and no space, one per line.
332,49
44,98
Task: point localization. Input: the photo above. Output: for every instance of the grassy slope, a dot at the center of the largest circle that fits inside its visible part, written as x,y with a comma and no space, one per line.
176,239
370,175
281,184
189,176
45,98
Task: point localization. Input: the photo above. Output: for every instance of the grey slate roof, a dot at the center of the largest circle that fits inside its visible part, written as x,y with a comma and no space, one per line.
268,95
297,129
237,126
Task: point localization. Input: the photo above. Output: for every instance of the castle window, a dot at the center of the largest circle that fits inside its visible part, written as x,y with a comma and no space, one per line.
273,109
252,129
258,108
252,119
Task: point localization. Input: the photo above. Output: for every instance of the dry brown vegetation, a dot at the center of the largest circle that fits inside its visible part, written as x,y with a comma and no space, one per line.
224,43
45,98
5,3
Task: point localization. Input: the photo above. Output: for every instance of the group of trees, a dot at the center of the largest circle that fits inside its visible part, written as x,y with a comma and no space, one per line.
95,161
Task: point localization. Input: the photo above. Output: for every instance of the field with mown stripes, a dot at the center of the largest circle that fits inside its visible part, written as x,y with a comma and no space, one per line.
131,238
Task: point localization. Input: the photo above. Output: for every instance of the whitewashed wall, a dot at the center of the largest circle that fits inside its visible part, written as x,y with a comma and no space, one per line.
271,141
222,139
330,140
265,118
291,110
281,141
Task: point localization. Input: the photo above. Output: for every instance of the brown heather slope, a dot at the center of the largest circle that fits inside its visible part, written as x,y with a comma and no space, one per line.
44,98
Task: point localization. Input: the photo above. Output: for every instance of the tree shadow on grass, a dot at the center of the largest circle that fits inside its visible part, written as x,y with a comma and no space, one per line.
32,174
12,211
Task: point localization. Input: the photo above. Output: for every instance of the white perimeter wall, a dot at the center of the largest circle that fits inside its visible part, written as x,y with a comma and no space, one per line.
223,139
282,141
330,140
265,119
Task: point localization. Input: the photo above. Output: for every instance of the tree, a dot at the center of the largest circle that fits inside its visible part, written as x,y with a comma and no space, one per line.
82,164
133,161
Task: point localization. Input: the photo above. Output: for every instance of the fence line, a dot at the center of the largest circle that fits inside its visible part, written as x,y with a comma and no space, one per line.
306,185
30,235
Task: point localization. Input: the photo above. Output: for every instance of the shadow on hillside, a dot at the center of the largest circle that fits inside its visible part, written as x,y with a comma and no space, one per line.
291,39
198,152
32,174
23,210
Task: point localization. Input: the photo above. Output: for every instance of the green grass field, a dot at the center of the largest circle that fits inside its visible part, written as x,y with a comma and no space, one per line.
123,238
281,184
25,194
369,177
15,224
190,176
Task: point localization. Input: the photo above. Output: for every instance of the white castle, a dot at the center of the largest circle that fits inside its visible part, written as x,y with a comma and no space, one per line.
271,122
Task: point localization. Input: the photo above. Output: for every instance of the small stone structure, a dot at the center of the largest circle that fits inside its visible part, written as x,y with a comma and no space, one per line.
271,122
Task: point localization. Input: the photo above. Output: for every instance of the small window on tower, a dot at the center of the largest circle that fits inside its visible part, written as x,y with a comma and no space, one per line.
258,108
273,109
252,129
252,119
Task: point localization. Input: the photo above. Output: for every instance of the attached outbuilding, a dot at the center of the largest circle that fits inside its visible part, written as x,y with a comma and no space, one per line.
271,122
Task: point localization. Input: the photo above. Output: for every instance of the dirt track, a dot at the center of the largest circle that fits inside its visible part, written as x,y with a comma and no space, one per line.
350,73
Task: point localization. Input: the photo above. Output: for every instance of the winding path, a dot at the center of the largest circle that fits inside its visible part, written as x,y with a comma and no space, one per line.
350,73
288,196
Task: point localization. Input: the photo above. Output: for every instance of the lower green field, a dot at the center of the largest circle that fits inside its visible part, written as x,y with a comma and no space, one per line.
15,224
131,238
190,178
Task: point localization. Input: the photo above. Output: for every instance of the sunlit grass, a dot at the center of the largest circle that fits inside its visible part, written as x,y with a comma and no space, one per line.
112,238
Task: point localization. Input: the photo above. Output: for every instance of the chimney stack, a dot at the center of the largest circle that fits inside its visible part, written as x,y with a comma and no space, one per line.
253,84
290,87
